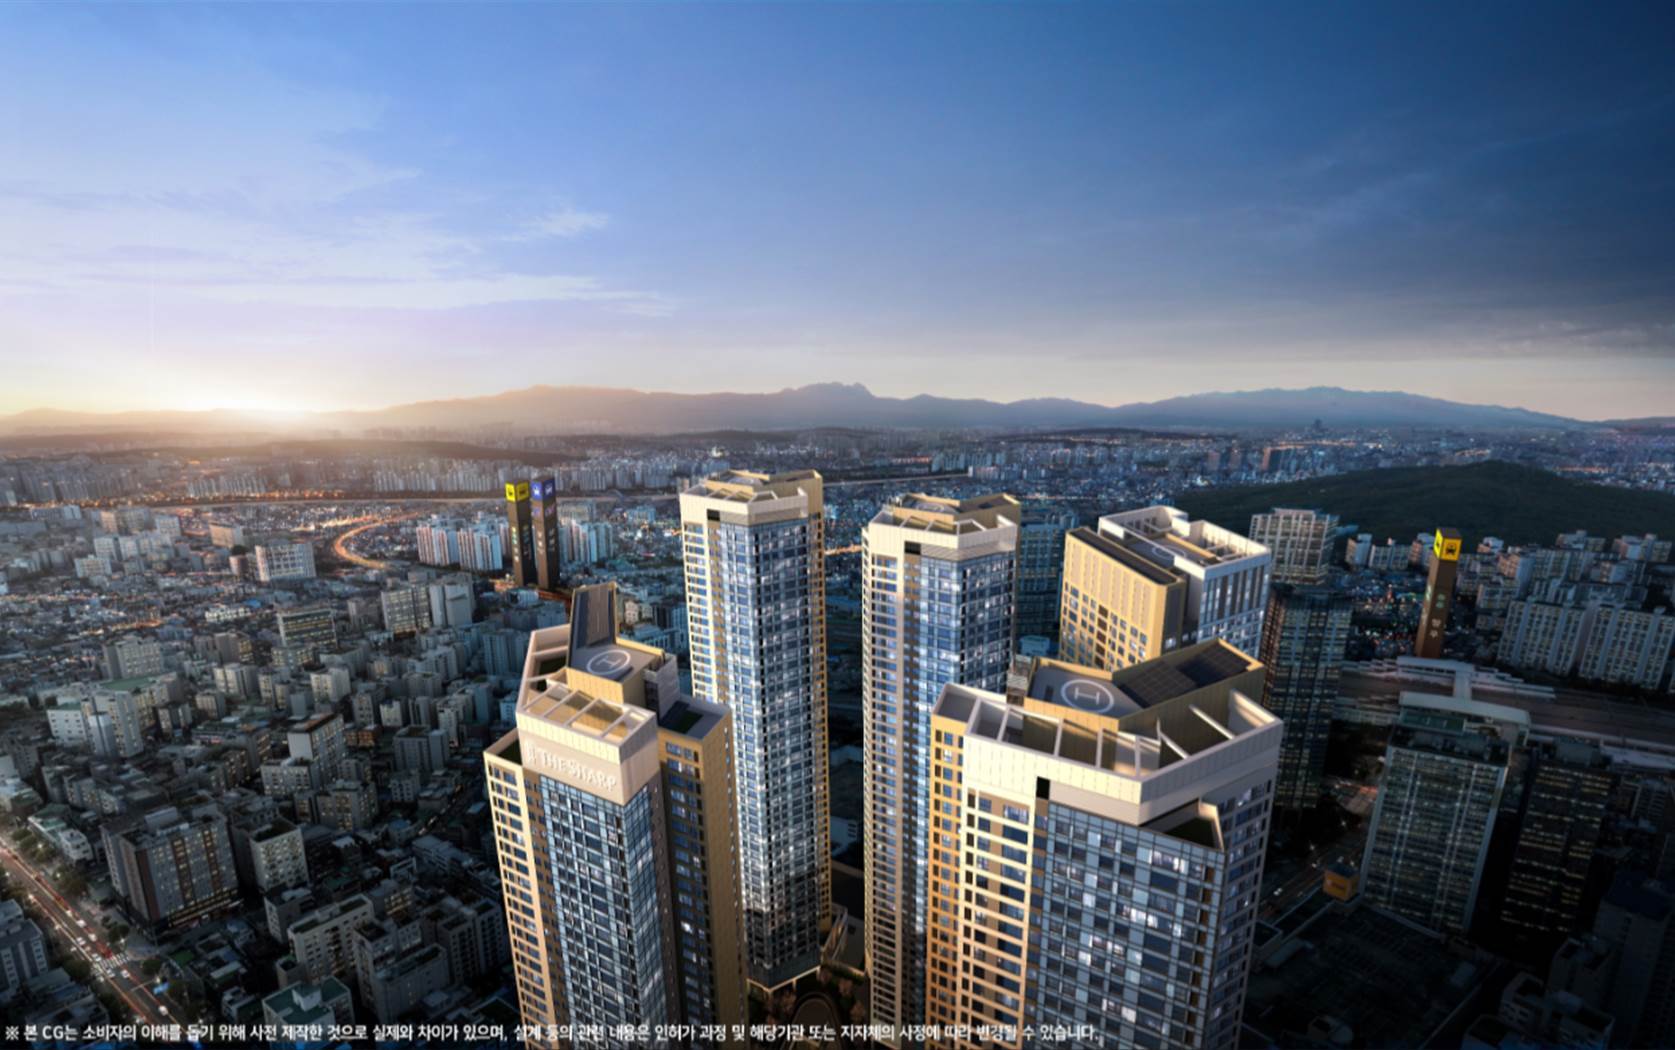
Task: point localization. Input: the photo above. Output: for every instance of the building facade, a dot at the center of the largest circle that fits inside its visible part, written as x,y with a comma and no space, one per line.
520,534
1040,565
172,868
1568,789
1445,770
938,578
1152,580
1439,594
1300,541
756,604
284,561
543,503
1304,637
1097,850
612,804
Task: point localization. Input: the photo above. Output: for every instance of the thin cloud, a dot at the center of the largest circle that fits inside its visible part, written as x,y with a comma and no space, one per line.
566,222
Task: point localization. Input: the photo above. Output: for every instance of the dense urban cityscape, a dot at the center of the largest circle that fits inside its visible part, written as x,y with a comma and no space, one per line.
812,525
704,738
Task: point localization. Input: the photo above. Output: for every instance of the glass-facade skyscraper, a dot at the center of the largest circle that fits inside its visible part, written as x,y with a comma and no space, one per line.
938,580
1040,565
1304,637
756,618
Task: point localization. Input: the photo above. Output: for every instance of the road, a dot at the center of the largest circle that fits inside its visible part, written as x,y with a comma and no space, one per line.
340,546
1279,897
79,933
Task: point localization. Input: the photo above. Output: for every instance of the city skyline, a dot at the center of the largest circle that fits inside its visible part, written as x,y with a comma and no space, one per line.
443,201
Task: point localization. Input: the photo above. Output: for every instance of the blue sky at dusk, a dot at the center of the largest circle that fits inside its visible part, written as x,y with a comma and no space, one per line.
324,206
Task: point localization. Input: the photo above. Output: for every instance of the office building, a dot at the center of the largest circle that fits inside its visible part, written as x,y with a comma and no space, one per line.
1097,850
615,831
1304,636
520,534
284,561
452,602
938,579
1300,541
420,750
543,494
172,868
1445,769
311,629
1040,563
406,610
1568,787
1150,581
756,605
1439,594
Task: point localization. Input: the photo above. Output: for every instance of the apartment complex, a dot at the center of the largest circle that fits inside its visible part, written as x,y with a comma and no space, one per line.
1097,848
615,829
1149,581
1304,636
756,615
938,579
1599,642
1445,770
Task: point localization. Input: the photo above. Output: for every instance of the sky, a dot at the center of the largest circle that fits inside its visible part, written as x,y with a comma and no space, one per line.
328,206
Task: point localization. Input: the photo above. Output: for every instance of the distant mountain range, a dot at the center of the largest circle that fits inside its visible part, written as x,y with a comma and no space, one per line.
576,409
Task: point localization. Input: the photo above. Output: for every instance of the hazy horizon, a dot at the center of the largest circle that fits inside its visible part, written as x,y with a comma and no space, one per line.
329,207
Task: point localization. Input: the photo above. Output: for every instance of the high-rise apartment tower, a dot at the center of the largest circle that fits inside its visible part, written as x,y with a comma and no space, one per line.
1097,844
756,600
612,803
1150,581
937,585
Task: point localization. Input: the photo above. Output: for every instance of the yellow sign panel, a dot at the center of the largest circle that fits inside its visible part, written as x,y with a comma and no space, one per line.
517,491
1446,547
